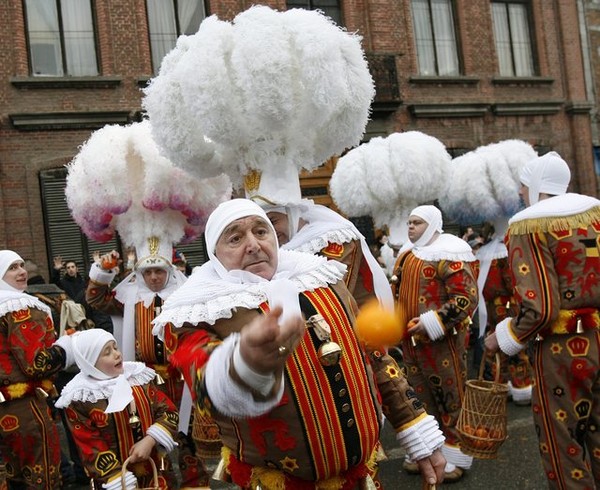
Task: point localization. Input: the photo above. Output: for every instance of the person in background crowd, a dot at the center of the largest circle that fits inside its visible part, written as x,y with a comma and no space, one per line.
137,420
30,356
437,290
295,401
71,281
554,251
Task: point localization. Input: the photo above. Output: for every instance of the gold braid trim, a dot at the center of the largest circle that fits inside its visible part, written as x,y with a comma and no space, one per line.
555,223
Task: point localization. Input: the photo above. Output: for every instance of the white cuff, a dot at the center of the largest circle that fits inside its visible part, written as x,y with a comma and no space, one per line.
435,329
161,436
520,394
263,383
227,396
454,455
130,482
422,438
506,342
101,276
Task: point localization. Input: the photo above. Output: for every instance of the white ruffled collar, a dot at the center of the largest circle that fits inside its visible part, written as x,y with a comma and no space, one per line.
312,243
445,247
206,297
84,388
16,300
557,206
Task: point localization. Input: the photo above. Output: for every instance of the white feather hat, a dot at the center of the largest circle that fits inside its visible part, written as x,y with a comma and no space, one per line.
268,92
387,177
119,182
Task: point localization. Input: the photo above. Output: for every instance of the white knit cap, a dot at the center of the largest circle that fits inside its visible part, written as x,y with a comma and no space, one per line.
7,258
87,346
433,217
548,174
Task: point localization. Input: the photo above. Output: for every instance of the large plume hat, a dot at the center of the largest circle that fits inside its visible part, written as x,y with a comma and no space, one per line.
483,184
269,93
120,182
387,177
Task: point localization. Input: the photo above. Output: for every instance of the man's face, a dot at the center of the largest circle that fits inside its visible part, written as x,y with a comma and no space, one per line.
248,244
280,222
71,269
16,275
524,193
155,278
416,227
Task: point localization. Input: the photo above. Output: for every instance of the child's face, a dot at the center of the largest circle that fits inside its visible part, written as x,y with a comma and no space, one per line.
110,360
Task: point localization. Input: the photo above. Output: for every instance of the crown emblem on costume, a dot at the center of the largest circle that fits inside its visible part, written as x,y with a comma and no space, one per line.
583,408
252,180
578,346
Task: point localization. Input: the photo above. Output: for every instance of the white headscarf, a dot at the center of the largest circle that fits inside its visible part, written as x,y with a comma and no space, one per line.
548,174
7,258
225,214
212,292
91,384
433,217
13,299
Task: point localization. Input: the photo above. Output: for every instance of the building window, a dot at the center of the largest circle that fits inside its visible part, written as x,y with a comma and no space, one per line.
513,39
331,8
61,37
435,37
169,19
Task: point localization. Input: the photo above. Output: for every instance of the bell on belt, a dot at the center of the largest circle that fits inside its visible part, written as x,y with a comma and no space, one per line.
159,380
579,326
329,353
2,399
134,419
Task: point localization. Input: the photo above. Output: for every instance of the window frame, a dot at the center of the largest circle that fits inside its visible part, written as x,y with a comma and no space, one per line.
457,43
310,6
63,50
175,11
532,39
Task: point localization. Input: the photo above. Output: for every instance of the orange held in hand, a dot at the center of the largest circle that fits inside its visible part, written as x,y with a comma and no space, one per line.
377,326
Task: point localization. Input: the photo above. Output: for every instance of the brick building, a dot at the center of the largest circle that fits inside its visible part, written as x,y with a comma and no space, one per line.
469,72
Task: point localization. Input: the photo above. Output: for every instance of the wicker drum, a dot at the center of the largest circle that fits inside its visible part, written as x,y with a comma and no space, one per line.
482,419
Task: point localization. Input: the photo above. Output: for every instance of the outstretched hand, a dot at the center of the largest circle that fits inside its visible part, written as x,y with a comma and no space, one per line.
262,340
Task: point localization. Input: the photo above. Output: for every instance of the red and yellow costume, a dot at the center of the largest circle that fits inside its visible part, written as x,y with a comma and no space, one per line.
29,441
554,251
441,283
104,440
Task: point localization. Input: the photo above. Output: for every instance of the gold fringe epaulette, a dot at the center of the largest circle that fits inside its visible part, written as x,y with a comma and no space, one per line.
555,223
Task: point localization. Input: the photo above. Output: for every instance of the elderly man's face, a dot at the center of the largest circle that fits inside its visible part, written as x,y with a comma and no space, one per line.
248,244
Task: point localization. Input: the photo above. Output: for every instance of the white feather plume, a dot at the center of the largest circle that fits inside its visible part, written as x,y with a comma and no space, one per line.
484,184
270,89
119,182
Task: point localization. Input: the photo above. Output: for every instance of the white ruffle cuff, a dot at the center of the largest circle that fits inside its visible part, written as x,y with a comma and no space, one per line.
227,396
433,325
161,436
101,276
506,342
422,438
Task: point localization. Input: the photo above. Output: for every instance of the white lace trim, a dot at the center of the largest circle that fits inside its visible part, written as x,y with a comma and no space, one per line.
84,388
316,244
557,206
446,247
22,303
206,298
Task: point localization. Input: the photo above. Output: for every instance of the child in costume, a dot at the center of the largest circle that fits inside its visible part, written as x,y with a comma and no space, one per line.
114,411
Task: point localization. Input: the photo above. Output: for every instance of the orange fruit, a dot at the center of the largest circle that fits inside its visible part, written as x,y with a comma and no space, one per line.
377,327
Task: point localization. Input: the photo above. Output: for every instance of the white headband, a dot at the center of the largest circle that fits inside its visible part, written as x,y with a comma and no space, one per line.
548,174
87,346
433,217
7,258
225,214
